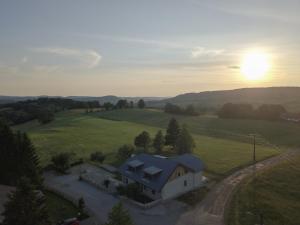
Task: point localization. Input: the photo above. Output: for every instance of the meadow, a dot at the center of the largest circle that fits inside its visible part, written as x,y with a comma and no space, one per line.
81,133
274,194
280,133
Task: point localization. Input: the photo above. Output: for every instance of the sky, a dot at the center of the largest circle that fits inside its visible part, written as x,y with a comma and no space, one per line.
142,47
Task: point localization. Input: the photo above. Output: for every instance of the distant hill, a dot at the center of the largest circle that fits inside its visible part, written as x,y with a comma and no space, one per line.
108,98
289,97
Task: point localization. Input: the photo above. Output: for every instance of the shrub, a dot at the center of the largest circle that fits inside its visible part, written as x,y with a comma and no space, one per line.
62,161
125,151
97,156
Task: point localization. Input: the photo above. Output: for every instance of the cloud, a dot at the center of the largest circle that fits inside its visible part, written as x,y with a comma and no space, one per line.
143,41
88,58
201,51
277,10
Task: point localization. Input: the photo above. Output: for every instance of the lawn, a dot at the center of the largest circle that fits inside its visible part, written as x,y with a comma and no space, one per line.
58,208
276,197
82,134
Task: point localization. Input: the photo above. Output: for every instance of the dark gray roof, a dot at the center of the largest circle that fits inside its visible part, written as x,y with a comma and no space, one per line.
152,170
161,168
190,161
135,163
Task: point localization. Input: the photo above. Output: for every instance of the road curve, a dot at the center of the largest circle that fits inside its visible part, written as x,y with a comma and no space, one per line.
211,210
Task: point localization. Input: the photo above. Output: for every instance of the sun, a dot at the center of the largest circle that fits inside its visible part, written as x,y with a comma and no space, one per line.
255,65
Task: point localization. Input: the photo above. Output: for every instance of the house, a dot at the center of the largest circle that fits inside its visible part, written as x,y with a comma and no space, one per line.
161,177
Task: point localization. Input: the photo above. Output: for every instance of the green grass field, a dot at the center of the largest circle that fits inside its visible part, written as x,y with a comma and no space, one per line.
276,132
276,196
82,134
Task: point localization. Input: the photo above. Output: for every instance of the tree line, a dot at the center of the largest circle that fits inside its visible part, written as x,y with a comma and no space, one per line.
42,109
124,104
247,111
175,109
177,137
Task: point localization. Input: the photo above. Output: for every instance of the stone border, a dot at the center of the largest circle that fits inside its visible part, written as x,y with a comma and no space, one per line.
141,205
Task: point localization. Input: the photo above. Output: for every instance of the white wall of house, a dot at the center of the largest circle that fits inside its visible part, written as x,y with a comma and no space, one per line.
182,185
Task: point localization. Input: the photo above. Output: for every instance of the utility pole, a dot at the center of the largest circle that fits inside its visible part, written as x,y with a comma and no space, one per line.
254,149
261,216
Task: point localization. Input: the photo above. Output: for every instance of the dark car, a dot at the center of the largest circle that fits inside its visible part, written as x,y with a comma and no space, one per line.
71,221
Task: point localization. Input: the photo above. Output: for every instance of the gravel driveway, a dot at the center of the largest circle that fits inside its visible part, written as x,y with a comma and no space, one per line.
99,203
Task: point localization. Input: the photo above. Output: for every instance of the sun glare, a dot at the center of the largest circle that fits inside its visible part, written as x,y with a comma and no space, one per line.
255,65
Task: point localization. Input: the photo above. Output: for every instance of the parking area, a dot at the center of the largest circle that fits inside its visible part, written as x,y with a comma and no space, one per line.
99,203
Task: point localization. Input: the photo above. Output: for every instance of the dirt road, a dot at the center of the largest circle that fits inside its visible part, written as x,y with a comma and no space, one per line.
211,210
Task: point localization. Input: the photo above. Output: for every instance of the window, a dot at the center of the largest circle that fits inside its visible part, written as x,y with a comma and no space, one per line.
126,180
178,174
147,176
185,183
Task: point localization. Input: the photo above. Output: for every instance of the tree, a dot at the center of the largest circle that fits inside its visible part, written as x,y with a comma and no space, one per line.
141,104
190,110
45,116
125,151
25,206
108,106
173,109
122,104
62,161
173,131
97,156
29,166
119,216
81,207
143,140
185,142
158,142
7,154
131,104
18,158
270,112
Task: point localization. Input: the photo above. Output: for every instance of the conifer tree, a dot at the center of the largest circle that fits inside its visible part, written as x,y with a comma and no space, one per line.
119,216
30,161
158,142
25,206
185,142
143,140
173,131
17,158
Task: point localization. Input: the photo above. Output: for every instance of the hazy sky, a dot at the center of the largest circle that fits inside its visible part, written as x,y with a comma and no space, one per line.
143,47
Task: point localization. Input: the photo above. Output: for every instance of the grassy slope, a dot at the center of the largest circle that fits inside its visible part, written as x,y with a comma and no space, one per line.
82,134
59,208
277,197
279,133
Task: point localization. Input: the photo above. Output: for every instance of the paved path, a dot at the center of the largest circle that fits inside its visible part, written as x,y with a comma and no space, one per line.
211,210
